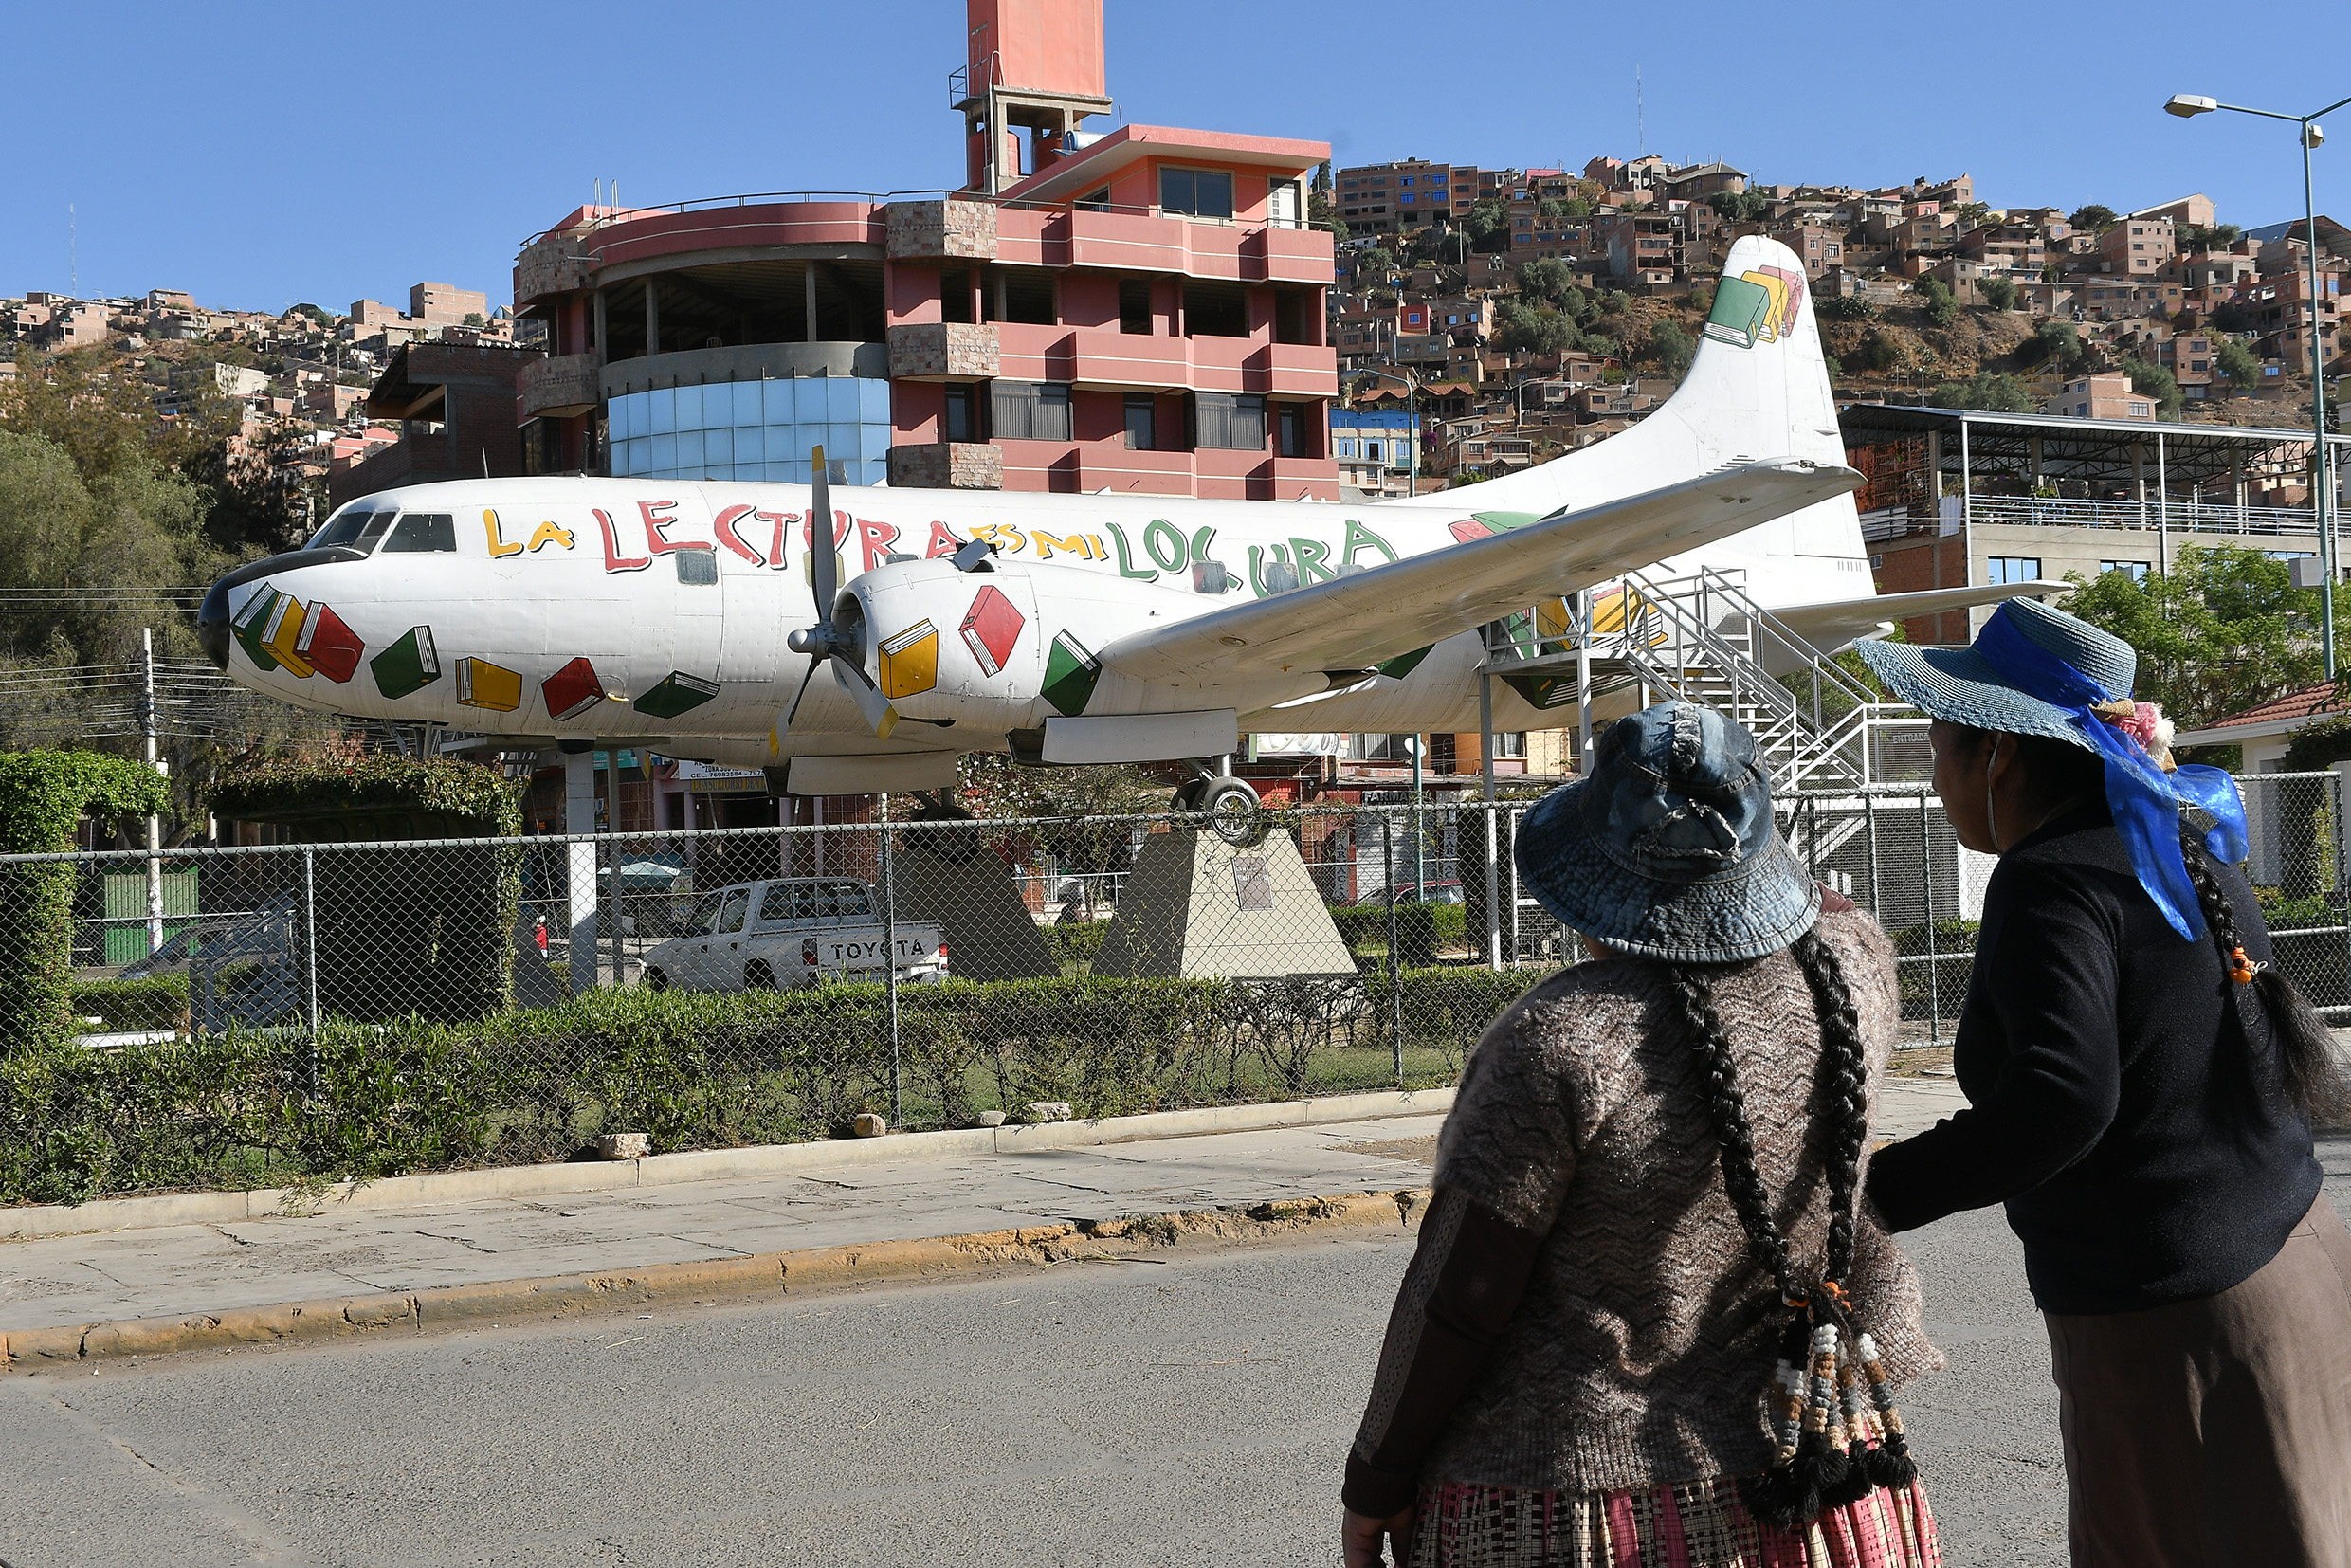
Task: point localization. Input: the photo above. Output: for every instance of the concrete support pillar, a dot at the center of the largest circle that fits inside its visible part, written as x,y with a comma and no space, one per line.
808,301
599,321
579,817
652,316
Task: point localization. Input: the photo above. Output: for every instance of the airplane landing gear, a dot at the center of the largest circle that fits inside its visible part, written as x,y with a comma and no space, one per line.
1229,803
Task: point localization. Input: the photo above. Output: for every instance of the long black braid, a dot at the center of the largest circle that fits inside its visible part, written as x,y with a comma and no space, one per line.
2308,1063
1813,1470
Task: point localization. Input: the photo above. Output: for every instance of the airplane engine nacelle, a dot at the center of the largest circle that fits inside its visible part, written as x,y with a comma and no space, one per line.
1004,647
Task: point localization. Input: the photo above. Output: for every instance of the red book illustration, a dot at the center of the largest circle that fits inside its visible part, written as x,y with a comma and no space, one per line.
991,628
329,645
572,690
1470,528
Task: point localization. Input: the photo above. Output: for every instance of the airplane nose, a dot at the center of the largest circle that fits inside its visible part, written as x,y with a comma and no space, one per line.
212,625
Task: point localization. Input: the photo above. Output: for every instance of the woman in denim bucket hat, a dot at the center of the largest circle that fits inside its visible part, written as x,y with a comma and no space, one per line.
1646,1320
2143,1087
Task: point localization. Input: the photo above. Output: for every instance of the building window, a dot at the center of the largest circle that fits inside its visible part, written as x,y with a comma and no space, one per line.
1095,201
1510,743
1215,310
2013,568
1029,411
960,419
954,295
1290,430
1371,453
1284,206
2138,570
1135,304
1142,422
1197,192
1232,420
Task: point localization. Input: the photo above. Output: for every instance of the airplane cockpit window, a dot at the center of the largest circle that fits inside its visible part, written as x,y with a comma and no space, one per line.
423,534
344,526
374,533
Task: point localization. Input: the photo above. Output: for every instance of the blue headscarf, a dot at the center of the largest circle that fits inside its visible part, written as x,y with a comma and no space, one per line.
2146,800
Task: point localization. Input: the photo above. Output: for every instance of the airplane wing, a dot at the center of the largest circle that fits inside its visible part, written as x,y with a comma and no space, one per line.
1353,622
1829,626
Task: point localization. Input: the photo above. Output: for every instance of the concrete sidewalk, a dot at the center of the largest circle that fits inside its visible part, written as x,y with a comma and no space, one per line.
347,1251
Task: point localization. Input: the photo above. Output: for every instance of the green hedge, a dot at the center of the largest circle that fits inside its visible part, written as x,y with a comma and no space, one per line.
1422,929
159,1002
700,1070
44,796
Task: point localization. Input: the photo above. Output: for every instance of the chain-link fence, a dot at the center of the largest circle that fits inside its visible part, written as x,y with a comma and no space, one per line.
365,1007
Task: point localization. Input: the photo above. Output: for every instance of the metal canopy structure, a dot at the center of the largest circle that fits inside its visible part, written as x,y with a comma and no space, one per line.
1981,442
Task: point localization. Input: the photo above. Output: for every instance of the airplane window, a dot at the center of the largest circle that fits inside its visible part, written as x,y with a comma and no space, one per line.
699,566
341,528
377,528
424,532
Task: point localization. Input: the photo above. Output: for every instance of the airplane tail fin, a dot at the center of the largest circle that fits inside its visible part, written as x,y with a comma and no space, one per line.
1758,390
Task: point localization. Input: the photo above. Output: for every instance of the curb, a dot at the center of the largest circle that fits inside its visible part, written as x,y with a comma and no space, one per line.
131,1213
777,1274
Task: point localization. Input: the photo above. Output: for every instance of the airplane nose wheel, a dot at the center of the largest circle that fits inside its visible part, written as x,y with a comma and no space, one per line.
1230,805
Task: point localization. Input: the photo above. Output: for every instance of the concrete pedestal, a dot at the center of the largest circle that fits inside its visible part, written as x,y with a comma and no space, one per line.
1195,907
952,875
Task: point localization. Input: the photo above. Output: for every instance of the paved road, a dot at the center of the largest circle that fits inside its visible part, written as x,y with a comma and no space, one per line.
1187,1412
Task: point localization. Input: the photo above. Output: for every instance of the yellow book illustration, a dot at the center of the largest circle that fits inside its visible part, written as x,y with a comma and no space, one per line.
484,685
285,638
910,661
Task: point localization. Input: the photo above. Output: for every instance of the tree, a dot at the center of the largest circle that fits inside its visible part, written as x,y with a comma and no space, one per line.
1080,803
313,312
1987,389
1615,302
1672,348
2224,630
1488,225
1373,266
475,319
1970,213
1879,353
1998,293
1941,309
1534,330
1548,279
2097,217
2237,362
1702,297
1741,206
2059,344
1849,307
2154,381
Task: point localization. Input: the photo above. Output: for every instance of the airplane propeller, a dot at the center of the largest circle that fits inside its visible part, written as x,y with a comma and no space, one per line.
831,641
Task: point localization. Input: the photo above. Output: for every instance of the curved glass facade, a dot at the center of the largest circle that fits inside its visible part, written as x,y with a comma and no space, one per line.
751,429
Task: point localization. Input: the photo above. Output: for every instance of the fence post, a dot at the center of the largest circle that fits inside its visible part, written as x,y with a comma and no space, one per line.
1926,892
889,973
309,938
1395,982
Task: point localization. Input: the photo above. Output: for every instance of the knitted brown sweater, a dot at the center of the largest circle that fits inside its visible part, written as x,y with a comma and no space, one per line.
1637,1352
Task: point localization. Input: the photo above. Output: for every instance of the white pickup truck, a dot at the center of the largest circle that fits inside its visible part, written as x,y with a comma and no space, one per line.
794,931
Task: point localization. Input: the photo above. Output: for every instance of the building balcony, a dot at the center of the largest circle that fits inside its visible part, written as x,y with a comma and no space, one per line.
944,351
745,362
1150,242
946,465
941,231
1107,360
556,264
561,387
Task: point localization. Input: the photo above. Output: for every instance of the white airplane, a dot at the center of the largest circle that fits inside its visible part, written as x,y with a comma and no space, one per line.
690,618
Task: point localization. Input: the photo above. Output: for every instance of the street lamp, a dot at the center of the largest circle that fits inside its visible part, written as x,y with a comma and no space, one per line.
2187,106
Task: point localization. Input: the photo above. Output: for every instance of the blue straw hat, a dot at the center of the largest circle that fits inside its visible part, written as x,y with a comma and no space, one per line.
1667,848
1959,684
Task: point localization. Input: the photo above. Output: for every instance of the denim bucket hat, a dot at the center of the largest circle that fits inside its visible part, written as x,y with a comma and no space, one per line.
1665,848
1964,686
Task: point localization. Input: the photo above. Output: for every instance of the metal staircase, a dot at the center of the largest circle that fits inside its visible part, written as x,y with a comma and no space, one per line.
1704,639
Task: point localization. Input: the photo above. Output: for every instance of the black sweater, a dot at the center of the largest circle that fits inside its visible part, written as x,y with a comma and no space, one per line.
2146,1151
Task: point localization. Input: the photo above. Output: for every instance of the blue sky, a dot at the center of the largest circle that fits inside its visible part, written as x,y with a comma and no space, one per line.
259,153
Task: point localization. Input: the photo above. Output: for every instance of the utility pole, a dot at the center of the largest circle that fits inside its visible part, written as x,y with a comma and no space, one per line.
154,823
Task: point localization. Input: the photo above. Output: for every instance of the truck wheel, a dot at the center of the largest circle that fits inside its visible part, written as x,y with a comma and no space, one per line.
656,980
758,977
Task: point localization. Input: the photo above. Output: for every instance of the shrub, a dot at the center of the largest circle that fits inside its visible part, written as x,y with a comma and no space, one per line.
158,1002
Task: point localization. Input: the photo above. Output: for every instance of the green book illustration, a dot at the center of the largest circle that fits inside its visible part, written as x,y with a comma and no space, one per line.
677,693
1071,672
1403,664
406,667
252,626
1739,311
